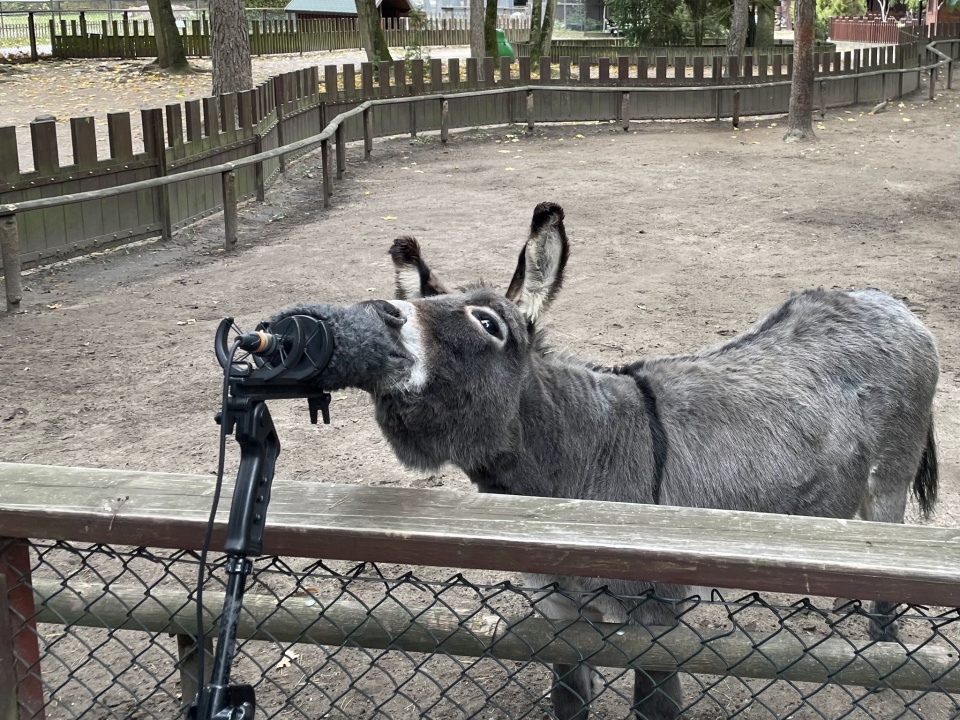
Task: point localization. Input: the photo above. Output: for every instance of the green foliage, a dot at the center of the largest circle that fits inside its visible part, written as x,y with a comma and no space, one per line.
650,22
827,9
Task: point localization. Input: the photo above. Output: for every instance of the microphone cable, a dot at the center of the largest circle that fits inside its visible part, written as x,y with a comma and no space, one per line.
201,572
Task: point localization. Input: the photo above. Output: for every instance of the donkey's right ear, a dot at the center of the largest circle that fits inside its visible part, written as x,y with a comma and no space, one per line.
539,272
414,279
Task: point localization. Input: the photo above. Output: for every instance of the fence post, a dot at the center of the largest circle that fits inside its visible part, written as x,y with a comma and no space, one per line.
341,151
530,110
444,121
228,181
153,141
736,108
17,613
188,664
823,100
367,132
258,179
325,181
625,111
931,85
10,253
32,29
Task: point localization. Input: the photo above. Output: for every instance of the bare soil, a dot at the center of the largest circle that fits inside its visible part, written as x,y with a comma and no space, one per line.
682,233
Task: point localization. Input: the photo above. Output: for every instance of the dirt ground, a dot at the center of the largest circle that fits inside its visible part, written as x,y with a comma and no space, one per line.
682,234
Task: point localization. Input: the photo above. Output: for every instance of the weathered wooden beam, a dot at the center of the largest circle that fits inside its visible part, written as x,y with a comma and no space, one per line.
714,548
439,628
10,254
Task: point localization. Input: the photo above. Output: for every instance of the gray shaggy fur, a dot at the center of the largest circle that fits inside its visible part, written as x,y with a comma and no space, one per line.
824,407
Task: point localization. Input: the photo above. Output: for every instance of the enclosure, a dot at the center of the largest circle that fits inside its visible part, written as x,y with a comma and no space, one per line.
682,234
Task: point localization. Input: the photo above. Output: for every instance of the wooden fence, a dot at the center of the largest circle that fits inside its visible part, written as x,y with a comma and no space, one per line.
134,39
798,555
615,48
172,188
871,29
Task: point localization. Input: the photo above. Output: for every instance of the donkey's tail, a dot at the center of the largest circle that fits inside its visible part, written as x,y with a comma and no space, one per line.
925,482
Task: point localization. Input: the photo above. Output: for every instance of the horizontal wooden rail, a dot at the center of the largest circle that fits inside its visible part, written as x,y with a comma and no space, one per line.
781,654
714,548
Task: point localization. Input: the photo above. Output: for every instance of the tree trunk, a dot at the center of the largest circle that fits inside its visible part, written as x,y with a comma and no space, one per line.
229,47
371,31
546,30
490,30
800,119
765,25
536,14
739,21
170,53
478,46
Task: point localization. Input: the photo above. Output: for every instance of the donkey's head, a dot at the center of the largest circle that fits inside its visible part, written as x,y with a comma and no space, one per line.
459,399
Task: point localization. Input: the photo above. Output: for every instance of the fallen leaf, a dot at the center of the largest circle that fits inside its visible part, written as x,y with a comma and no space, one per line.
907,120
55,306
388,217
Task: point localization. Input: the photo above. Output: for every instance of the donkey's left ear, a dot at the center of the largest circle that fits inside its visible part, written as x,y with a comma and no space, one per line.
539,272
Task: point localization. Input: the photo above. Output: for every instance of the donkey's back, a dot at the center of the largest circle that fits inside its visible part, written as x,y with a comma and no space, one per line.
822,408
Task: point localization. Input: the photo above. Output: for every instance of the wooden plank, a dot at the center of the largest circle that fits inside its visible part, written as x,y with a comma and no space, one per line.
808,556
83,137
194,123
121,139
461,631
9,155
46,154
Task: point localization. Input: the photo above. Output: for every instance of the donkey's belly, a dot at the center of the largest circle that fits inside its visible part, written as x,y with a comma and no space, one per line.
577,597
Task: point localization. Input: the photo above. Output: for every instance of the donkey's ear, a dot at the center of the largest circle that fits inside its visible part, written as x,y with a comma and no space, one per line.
414,279
539,272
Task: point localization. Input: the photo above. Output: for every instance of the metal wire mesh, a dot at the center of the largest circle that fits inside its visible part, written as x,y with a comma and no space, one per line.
340,640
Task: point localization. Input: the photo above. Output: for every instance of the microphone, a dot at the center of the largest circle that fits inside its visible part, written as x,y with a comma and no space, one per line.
259,342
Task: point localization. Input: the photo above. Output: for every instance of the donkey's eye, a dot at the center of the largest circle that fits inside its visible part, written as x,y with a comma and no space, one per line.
489,323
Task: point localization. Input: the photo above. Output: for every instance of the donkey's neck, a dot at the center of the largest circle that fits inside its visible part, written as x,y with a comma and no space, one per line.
582,434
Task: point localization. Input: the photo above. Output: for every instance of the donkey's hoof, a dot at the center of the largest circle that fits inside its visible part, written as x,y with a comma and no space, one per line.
546,213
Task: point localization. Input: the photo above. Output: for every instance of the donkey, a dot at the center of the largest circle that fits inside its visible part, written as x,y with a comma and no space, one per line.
823,407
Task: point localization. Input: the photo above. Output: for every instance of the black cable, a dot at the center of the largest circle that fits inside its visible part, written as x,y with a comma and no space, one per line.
201,572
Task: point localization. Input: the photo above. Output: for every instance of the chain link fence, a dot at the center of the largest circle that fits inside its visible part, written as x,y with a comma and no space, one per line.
338,640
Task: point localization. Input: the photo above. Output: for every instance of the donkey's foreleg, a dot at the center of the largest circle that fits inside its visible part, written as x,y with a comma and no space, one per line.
657,695
573,691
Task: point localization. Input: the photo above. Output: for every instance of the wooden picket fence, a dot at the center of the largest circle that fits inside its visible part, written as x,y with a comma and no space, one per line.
871,29
296,107
127,38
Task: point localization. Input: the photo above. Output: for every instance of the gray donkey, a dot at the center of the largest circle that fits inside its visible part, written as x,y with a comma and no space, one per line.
824,407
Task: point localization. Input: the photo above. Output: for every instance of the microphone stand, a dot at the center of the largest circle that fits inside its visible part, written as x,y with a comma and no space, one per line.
249,420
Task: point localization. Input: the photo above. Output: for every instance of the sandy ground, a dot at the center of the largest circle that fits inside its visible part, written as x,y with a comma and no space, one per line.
682,234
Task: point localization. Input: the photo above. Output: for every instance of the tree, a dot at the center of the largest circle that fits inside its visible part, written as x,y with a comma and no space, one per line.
170,54
478,44
649,22
490,30
230,47
800,119
739,22
371,31
543,31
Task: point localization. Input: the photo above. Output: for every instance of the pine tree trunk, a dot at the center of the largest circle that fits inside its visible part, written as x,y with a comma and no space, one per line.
490,30
536,14
229,47
371,31
800,119
170,53
739,21
477,39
